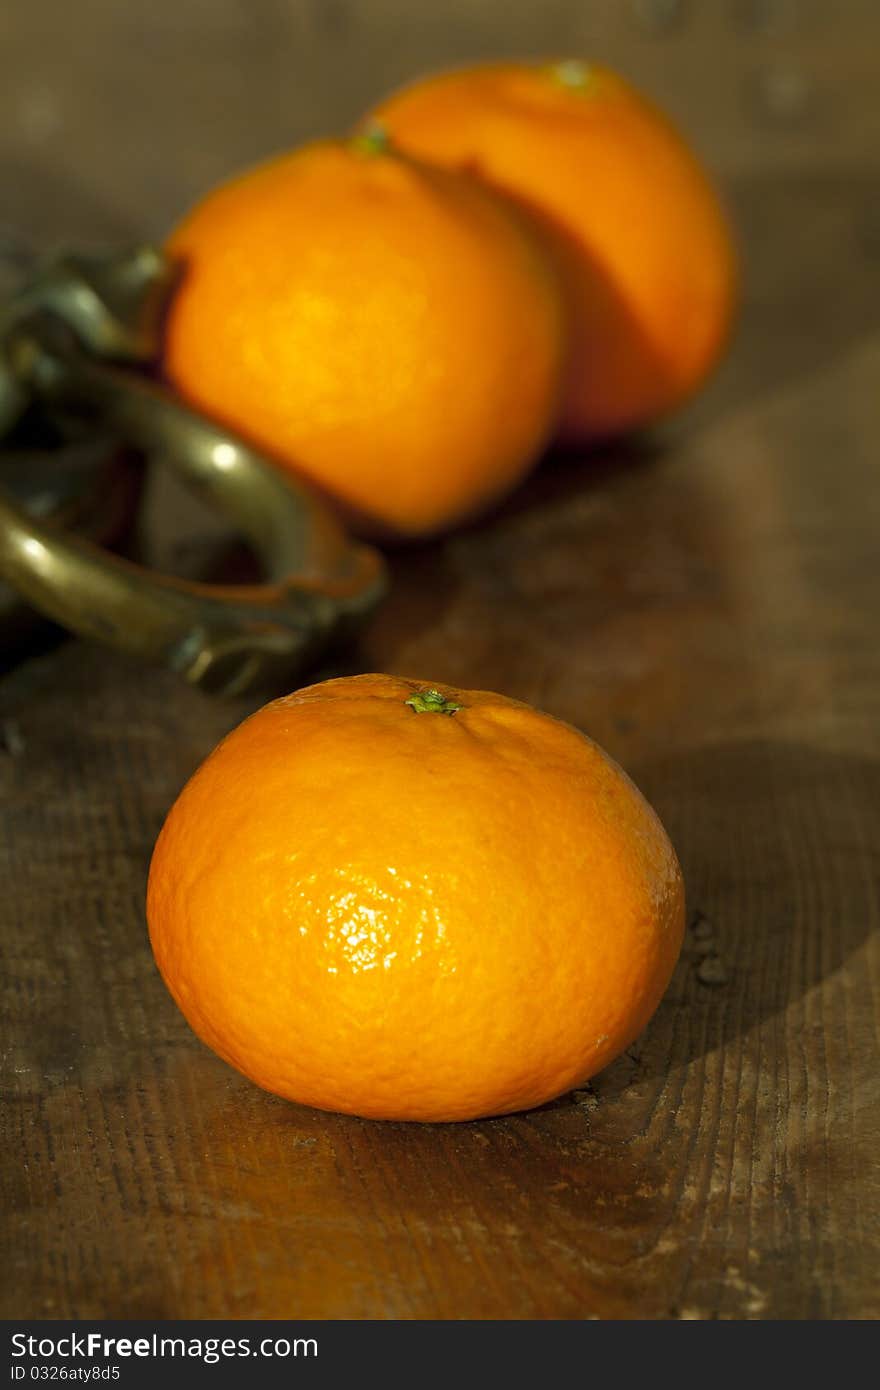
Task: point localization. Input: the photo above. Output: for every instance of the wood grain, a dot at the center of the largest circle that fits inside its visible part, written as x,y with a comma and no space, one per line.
705,606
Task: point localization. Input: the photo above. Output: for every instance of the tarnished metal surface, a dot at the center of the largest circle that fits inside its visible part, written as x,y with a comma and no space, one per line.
59,336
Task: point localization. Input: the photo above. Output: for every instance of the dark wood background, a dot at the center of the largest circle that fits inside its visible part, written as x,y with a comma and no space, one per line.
704,604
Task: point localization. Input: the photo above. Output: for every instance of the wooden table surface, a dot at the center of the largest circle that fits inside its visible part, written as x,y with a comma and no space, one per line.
704,605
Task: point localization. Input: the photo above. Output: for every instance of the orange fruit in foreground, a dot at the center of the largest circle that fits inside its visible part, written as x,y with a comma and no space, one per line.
379,898
640,237
389,330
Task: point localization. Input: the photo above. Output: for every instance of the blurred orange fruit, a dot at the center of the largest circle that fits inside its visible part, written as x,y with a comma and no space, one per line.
390,330
639,235
380,898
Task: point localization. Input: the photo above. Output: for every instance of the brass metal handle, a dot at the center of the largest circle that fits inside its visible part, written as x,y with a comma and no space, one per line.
92,487
225,638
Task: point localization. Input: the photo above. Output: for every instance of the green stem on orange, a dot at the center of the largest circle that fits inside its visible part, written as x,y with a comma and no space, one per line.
371,139
573,74
431,702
